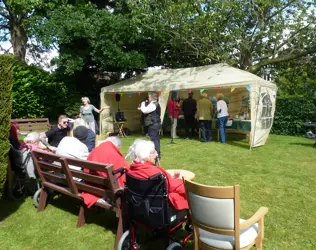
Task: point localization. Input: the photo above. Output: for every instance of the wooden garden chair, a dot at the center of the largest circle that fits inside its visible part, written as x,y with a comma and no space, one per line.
216,219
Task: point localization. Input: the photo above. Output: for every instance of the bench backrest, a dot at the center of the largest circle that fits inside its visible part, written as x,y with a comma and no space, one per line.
56,174
37,124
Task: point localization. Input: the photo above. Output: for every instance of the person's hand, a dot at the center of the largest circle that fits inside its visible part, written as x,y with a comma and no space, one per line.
51,148
105,107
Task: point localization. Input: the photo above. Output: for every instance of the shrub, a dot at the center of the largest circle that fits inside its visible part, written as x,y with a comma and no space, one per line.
36,93
291,113
6,62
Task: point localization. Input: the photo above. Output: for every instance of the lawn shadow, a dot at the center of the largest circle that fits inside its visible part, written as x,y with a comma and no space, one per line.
94,215
8,207
310,145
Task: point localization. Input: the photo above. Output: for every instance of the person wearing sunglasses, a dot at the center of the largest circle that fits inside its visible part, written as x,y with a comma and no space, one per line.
56,133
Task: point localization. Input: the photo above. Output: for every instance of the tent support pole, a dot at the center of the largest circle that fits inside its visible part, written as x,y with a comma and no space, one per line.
255,125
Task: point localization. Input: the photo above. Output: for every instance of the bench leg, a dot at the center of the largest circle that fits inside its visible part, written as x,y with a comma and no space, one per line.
81,216
119,231
42,201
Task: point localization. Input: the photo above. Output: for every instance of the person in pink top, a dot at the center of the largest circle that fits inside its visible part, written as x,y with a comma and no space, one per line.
173,111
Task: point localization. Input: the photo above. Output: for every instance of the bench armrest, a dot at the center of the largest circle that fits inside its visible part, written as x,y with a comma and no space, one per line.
254,219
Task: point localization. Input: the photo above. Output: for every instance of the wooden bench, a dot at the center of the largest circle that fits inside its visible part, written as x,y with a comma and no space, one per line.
29,125
56,174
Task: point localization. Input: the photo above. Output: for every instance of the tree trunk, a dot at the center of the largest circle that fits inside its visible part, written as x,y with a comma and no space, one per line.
18,39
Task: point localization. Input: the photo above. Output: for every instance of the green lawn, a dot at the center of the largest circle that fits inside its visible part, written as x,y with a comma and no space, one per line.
280,175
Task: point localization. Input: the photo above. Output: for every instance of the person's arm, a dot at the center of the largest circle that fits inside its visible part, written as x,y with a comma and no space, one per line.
211,110
177,106
218,107
43,138
147,109
100,110
197,110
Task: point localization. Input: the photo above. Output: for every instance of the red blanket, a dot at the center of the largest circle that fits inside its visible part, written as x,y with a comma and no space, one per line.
109,154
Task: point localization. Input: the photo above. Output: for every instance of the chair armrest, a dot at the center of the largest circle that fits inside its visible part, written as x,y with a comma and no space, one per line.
255,218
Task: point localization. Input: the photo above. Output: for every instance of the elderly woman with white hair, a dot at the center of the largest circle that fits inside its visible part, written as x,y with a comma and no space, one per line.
108,152
143,156
33,141
86,112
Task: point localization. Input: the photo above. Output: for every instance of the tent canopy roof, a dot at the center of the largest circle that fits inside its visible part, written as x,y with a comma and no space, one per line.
210,76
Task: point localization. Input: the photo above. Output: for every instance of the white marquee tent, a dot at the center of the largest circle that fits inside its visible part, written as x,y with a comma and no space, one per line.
233,83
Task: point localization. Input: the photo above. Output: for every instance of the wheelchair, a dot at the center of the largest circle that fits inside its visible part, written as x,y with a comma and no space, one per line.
22,177
146,205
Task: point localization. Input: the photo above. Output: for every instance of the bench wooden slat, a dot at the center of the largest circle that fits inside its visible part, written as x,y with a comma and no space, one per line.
59,179
95,179
59,189
95,166
99,192
30,120
66,170
40,124
49,166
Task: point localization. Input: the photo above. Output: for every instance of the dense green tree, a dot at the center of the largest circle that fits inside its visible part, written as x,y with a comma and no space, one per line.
17,21
246,34
87,35
37,93
297,78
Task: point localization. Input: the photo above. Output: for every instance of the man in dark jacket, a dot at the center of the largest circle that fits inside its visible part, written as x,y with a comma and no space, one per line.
152,119
189,110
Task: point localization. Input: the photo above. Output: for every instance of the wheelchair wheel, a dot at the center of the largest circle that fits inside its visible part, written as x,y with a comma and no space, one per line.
37,195
18,190
174,246
125,242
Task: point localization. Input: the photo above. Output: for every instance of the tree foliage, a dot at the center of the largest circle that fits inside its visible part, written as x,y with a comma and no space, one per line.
6,63
90,36
247,34
37,93
17,20
297,78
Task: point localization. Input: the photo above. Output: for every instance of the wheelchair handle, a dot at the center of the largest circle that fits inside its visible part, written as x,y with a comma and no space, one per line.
119,171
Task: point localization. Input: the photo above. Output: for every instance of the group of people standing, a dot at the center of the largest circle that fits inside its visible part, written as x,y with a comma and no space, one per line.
201,111
193,111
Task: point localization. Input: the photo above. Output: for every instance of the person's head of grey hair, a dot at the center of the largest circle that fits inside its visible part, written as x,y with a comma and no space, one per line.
85,98
115,140
131,150
79,122
142,150
154,96
33,137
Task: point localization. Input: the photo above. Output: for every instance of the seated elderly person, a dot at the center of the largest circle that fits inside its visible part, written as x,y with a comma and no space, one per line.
13,136
143,157
108,152
90,140
74,147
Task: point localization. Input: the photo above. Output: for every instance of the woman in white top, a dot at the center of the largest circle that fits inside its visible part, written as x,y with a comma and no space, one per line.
222,115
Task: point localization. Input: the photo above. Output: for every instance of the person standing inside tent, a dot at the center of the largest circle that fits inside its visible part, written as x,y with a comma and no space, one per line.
189,110
86,112
173,111
152,113
204,115
222,115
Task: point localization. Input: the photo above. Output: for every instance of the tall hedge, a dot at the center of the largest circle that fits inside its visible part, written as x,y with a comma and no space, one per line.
291,113
37,93
6,62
